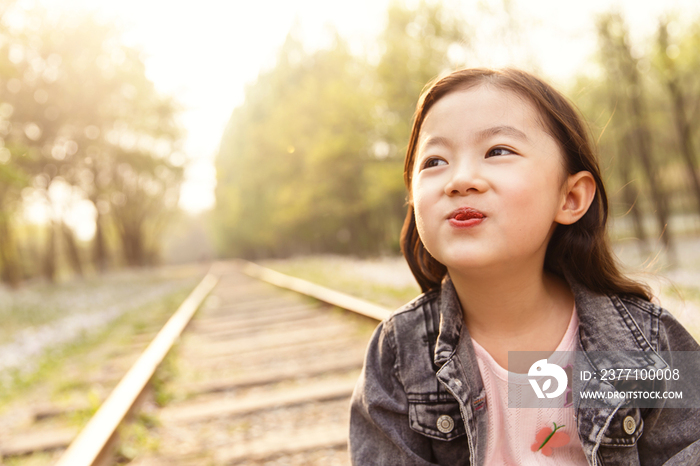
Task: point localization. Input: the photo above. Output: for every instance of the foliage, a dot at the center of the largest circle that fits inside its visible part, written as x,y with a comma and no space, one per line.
302,121
643,105
312,161
79,119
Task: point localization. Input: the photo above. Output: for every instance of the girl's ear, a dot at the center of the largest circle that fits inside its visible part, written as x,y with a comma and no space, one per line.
580,190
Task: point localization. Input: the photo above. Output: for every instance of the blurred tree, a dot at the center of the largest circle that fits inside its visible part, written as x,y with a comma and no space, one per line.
312,161
12,179
79,100
598,98
683,92
628,92
290,172
145,196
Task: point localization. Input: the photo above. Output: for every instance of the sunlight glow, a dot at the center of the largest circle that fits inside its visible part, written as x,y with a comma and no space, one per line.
205,54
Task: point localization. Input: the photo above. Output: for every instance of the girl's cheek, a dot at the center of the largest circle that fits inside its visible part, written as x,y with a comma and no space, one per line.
422,200
421,205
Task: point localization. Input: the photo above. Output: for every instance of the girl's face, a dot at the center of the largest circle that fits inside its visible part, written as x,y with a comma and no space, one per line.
488,181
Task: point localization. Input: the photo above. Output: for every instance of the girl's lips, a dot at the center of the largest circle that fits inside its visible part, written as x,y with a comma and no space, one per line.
465,217
465,213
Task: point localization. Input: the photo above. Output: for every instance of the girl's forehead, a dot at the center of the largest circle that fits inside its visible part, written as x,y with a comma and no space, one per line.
480,109
483,104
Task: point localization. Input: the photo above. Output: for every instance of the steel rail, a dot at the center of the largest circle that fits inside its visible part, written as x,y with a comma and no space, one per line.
93,444
336,298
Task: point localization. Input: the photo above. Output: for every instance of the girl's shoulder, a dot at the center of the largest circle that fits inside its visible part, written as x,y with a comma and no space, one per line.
416,320
642,305
661,327
410,325
425,301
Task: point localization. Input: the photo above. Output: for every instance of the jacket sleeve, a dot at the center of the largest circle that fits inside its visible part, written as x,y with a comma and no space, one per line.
672,436
379,426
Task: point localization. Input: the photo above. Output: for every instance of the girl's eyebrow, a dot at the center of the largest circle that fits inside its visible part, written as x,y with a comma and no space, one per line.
436,141
480,136
504,130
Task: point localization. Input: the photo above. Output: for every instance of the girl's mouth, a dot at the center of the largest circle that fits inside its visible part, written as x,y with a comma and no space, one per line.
465,217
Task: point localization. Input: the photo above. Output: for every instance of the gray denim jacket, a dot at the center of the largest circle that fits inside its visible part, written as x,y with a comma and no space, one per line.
420,367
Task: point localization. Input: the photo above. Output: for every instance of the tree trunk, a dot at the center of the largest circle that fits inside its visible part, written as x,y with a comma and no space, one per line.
73,250
680,118
133,247
630,194
626,77
11,267
99,252
643,142
50,253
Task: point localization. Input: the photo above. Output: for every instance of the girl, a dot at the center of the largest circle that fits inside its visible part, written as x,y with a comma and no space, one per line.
505,233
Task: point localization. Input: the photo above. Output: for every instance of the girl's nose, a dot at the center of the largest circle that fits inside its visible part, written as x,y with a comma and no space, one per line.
465,179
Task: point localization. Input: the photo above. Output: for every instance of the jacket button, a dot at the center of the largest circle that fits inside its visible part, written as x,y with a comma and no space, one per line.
445,424
629,424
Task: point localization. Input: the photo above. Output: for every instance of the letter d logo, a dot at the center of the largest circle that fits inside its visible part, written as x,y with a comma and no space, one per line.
542,368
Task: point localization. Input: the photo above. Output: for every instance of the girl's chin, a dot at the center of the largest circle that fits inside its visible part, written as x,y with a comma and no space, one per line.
490,268
478,265
468,265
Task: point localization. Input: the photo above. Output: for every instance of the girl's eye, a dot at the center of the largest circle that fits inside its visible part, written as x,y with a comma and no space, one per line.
496,151
433,162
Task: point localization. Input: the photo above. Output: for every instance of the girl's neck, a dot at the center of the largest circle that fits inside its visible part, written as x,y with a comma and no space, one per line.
515,308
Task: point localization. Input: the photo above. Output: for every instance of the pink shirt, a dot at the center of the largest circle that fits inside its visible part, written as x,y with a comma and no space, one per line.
512,431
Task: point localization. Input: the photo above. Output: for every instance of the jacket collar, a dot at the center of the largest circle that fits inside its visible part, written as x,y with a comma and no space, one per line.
451,323
605,323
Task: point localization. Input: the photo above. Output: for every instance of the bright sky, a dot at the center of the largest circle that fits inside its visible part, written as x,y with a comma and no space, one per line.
205,51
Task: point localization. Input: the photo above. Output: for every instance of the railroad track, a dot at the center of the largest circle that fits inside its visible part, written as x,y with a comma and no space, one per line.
259,375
